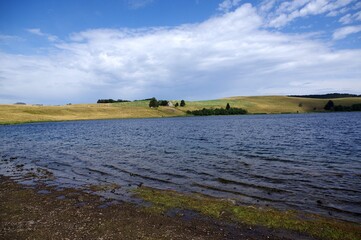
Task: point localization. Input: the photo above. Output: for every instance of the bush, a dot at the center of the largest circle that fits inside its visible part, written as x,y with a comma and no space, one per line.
329,105
341,108
111,100
153,103
228,106
356,107
183,103
163,103
218,111
177,104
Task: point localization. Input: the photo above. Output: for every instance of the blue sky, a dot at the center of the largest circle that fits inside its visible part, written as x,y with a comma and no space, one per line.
55,52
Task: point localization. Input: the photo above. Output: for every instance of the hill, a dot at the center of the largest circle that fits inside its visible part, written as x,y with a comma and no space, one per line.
12,114
327,96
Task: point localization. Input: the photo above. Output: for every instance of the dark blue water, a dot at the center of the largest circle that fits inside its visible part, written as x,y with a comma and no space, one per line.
310,162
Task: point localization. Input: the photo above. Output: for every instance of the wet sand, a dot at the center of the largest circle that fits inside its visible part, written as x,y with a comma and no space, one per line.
43,212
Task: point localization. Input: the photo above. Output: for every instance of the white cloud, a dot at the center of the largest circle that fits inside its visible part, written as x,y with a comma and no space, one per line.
38,32
35,31
345,31
227,55
7,39
350,18
228,5
288,11
136,4
358,16
346,19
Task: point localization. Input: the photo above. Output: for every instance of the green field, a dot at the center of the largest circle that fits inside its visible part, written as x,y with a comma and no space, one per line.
13,114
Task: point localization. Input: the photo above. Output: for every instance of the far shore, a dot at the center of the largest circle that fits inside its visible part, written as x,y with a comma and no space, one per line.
18,114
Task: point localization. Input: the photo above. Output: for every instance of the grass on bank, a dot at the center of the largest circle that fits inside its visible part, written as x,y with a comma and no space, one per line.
13,114
313,225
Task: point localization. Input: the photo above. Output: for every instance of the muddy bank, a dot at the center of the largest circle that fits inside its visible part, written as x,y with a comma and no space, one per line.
43,212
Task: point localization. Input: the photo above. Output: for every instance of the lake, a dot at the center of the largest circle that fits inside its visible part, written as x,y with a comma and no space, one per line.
309,162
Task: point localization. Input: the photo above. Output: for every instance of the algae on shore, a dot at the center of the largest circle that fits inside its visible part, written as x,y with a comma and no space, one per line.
311,224
44,212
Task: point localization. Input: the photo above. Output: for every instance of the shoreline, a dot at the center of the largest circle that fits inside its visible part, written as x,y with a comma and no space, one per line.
41,211
181,116
44,211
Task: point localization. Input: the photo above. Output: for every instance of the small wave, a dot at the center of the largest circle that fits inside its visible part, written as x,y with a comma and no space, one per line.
269,189
115,168
269,179
234,192
333,188
174,175
97,171
336,209
149,178
169,152
132,174
61,164
273,159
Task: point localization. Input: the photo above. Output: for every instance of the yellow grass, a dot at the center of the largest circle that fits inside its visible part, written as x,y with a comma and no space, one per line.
272,104
12,114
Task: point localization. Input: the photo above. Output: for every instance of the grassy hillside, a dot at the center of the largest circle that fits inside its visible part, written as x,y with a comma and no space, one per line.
10,114
272,104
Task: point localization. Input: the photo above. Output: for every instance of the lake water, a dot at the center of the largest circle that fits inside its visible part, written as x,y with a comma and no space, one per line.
310,162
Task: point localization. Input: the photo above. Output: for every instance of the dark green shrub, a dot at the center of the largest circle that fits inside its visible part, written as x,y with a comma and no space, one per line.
329,105
183,103
153,103
228,106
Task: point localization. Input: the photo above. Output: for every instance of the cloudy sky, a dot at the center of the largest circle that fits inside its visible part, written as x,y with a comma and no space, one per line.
78,51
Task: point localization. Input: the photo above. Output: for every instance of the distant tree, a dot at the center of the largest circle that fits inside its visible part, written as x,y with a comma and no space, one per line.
177,104
183,103
163,103
356,107
228,106
341,108
327,96
329,105
217,111
153,102
111,100
300,105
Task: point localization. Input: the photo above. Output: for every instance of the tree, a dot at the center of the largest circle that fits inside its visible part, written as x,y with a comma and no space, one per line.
228,106
356,107
183,103
162,103
153,103
329,105
177,104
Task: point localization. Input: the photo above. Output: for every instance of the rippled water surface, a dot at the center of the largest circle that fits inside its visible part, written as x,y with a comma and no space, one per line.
310,162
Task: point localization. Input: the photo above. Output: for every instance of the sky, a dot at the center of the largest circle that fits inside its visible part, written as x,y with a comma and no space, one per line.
79,51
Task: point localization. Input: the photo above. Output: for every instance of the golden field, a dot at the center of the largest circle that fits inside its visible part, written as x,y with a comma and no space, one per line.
13,114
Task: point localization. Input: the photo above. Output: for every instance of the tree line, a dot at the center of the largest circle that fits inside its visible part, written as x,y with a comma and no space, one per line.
218,111
327,96
156,103
111,100
330,106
